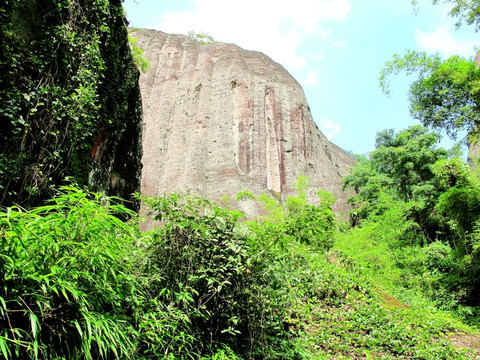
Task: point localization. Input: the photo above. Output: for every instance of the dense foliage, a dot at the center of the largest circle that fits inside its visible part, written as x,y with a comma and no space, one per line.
212,280
67,84
67,285
76,282
434,244
297,219
446,95
425,206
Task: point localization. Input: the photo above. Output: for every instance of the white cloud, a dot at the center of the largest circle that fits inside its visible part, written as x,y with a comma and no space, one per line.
339,44
311,79
329,128
325,33
442,40
318,56
275,27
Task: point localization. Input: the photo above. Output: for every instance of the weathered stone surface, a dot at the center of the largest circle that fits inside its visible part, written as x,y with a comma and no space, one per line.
219,119
473,142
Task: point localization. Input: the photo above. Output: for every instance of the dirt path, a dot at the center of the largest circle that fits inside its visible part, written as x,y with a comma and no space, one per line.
467,341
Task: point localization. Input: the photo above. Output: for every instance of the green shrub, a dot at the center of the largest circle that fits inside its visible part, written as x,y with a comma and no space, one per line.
78,282
137,53
209,271
67,287
296,220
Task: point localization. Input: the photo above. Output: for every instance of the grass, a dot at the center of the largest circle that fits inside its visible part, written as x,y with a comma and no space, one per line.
398,321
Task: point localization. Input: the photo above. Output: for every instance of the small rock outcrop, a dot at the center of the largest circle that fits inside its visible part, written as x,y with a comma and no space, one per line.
219,119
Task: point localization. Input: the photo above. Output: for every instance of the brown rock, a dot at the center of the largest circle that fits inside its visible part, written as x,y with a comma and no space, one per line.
219,119
473,141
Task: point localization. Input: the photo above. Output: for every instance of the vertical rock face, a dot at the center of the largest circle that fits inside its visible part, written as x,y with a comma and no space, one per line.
219,119
473,142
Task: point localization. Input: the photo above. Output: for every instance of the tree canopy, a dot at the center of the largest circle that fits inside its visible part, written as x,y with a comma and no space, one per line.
423,197
446,95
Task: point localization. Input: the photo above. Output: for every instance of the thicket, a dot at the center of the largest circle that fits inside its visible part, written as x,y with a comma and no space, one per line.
76,282
68,86
419,208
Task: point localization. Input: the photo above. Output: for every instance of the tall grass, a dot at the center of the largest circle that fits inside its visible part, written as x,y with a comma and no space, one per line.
66,280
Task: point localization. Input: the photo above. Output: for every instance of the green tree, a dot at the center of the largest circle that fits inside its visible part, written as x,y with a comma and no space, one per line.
459,204
400,169
446,95
460,200
418,196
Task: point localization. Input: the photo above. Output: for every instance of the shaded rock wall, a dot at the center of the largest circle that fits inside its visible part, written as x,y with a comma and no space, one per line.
219,119
70,105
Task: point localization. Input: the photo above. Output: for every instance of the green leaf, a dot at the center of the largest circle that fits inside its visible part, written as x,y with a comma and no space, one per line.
33,323
3,347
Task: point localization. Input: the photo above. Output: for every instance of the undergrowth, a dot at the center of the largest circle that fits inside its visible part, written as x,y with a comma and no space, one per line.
78,282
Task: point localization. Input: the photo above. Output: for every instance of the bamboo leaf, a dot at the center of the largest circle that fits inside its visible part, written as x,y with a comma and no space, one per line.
33,324
35,349
79,329
4,349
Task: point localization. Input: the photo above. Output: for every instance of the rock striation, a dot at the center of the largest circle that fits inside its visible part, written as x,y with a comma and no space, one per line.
219,119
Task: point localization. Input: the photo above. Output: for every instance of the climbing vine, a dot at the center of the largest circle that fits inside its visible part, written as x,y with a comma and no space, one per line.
56,60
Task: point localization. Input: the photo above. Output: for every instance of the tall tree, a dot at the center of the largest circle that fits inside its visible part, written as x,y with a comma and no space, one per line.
446,95
401,169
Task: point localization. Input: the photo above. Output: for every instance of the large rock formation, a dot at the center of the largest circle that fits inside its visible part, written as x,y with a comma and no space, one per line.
219,119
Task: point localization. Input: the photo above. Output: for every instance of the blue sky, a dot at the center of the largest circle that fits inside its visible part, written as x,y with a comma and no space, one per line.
334,48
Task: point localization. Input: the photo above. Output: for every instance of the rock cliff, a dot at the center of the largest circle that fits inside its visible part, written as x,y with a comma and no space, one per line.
219,119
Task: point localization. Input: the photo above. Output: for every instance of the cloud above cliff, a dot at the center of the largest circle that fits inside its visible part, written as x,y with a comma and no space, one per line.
310,79
275,27
329,128
442,40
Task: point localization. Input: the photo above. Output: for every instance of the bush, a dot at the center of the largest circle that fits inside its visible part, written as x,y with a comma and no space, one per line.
208,270
296,220
67,288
